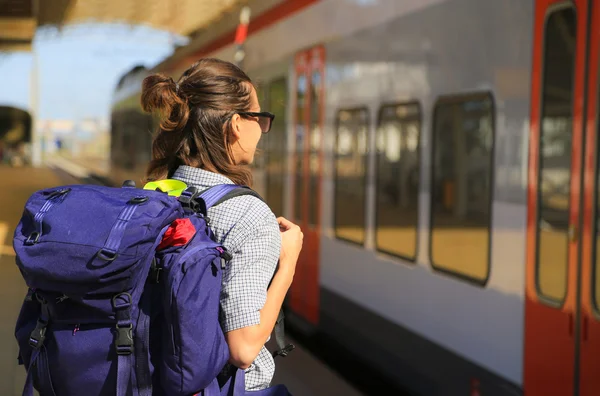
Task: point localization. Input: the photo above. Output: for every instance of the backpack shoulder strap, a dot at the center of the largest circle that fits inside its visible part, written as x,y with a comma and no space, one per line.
219,194
238,193
223,192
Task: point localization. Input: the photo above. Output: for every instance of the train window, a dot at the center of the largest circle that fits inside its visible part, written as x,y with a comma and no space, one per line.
277,146
350,172
115,139
398,135
144,145
299,147
461,194
314,146
555,155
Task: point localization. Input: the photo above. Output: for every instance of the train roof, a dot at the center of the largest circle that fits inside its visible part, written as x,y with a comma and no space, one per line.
222,32
214,36
130,83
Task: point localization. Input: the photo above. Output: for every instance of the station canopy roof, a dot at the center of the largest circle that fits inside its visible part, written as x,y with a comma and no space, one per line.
19,19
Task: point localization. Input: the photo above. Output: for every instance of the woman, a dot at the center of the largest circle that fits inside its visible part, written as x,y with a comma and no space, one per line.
211,125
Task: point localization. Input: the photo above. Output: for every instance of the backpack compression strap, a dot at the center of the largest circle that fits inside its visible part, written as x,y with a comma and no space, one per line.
219,194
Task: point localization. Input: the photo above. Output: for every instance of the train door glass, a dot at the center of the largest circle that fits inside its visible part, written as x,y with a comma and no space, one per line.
554,175
554,239
314,148
299,155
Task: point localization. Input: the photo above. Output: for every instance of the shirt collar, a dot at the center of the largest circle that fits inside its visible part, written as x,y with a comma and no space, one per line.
199,177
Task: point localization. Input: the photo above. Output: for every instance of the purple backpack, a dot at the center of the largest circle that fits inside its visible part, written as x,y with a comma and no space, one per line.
106,312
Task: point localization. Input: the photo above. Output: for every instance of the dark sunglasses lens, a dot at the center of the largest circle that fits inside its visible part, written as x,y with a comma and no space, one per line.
265,123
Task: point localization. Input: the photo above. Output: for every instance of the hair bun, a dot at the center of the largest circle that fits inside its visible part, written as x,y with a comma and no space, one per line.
159,94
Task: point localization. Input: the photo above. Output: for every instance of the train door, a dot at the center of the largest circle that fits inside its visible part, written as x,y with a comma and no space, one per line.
589,339
308,131
562,331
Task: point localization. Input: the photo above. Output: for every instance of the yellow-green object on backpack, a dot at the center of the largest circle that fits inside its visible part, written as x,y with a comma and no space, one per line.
170,186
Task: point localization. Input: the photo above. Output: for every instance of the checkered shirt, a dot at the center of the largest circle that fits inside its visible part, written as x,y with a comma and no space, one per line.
248,229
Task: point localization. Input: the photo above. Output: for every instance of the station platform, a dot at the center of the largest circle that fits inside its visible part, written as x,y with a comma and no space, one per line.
301,372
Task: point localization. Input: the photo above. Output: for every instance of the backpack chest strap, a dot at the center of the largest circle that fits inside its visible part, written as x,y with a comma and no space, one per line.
123,341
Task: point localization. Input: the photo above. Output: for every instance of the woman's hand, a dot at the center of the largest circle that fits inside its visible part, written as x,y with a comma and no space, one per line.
291,245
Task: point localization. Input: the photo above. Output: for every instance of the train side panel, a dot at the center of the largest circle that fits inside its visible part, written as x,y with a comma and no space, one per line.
440,53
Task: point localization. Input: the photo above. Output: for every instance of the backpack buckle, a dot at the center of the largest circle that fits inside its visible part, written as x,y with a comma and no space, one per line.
155,270
106,255
283,352
33,238
38,335
188,199
124,340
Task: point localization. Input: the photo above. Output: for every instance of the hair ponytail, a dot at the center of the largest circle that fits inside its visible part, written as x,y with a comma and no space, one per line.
159,94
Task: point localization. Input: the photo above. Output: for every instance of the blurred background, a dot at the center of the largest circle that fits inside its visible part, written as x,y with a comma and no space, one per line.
60,63
441,157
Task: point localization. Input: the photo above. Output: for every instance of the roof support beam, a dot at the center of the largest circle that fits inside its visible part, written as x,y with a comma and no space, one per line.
18,22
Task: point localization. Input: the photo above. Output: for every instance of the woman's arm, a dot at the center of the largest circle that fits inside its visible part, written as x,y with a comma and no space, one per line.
245,343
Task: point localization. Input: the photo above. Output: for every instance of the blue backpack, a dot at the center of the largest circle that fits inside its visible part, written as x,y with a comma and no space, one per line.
107,313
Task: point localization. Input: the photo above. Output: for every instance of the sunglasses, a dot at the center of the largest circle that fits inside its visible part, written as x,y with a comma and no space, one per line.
265,119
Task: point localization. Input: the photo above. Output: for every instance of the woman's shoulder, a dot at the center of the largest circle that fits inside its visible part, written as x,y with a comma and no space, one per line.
241,216
246,207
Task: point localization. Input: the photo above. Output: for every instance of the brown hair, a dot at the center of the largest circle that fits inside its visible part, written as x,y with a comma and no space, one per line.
195,114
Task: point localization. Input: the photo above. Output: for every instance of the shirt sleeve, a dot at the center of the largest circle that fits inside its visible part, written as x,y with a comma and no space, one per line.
249,272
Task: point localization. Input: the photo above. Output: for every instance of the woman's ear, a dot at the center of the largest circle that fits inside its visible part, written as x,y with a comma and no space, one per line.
236,126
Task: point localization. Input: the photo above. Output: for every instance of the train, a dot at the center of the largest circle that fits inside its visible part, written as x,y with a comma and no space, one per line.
15,136
441,159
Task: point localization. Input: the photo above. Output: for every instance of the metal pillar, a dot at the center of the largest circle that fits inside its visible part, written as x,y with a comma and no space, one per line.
36,147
